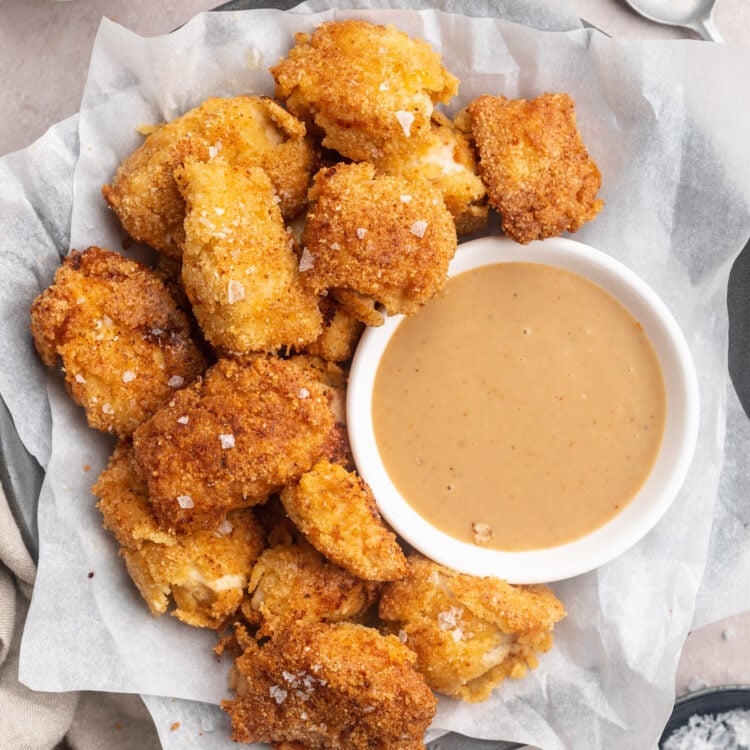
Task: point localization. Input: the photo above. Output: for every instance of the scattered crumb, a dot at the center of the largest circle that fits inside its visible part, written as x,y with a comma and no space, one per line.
174,727
482,532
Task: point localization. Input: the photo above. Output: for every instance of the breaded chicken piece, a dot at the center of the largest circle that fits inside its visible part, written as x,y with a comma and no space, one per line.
469,633
340,335
445,159
294,582
330,687
204,573
244,130
248,428
125,346
371,89
238,268
536,169
336,512
376,239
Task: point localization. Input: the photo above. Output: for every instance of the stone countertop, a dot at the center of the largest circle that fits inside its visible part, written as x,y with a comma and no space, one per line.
44,53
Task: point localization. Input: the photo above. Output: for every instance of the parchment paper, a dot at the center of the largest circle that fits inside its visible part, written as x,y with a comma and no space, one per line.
666,123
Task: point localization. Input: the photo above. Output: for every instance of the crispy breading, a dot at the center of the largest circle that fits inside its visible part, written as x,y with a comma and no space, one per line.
294,582
249,427
125,346
469,633
536,169
330,687
371,89
380,238
238,267
204,573
340,334
245,130
336,512
445,158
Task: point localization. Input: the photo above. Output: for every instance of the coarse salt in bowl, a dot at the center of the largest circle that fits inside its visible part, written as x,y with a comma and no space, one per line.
636,518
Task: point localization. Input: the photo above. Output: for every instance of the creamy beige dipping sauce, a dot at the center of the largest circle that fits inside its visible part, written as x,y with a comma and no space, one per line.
522,408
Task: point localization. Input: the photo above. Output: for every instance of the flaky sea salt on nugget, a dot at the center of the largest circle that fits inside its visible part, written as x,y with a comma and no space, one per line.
238,266
469,633
204,573
370,89
125,345
373,238
536,169
246,130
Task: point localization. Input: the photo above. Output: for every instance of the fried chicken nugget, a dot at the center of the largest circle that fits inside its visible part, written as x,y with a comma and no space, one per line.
445,158
371,89
124,344
293,582
376,239
245,130
238,268
341,331
537,171
330,687
249,427
336,512
205,573
469,633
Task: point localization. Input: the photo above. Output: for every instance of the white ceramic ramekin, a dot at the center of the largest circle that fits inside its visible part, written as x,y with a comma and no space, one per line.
637,517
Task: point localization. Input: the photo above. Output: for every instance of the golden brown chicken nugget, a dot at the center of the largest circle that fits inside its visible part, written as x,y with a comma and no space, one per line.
238,267
244,130
446,159
376,239
124,344
469,633
336,512
294,582
330,687
537,171
249,427
204,573
371,89
340,335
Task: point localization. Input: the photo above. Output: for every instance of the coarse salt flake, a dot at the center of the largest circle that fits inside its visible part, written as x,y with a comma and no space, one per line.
80,378
306,261
385,86
128,376
304,393
418,228
406,120
176,381
235,291
185,501
107,409
277,693
361,232
183,419
405,199
449,620
227,441
225,527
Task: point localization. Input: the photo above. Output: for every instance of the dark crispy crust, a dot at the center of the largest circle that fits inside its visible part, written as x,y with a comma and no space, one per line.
250,130
331,687
534,165
123,341
376,238
276,416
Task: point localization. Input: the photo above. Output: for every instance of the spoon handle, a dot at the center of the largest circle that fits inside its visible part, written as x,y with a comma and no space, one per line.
706,29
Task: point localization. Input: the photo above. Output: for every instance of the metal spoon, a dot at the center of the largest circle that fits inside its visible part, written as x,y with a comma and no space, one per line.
690,14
